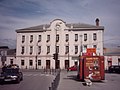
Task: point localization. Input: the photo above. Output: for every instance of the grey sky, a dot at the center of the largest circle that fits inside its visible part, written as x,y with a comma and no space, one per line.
15,14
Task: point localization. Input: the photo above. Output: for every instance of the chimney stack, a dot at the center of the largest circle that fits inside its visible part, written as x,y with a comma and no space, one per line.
97,22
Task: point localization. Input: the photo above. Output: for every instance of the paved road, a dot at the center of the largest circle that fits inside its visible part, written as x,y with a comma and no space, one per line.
68,81
31,81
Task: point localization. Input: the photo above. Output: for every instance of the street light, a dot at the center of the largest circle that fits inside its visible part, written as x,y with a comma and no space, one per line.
80,45
36,56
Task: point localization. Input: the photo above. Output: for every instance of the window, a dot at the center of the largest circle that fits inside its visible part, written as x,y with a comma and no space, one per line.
76,37
22,52
39,62
94,46
23,38
57,49
22,62
39,38
30,62
57,38
11,61
31,38
67,50
76,49
48,38
31,49
67,37
85,37
48,49
94,36
85,48
39,49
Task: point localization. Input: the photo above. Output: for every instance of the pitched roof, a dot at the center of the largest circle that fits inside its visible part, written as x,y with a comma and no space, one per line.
112,51
72,26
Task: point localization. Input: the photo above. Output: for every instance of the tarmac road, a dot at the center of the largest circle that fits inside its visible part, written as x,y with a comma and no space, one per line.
32,80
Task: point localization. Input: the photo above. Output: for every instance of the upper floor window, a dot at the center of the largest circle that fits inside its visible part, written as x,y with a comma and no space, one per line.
22,51
67,37
31,49
31,38
48,38
67,50
39,49
23,38
39,38
76,37
57,38
48,49
76,49
94,36
85,37
57,49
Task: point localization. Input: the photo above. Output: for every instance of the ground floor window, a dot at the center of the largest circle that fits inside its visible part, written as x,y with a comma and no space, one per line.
39,62
11,61
22,62
30,62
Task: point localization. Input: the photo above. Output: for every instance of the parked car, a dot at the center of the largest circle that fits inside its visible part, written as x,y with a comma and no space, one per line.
11,73
114,69
72,68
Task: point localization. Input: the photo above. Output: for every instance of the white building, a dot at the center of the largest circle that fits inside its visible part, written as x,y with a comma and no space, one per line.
112,57
36,45
7,56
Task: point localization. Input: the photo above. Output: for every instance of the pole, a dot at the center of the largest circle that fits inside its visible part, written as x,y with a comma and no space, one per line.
36,56
68,50
55,47
81,45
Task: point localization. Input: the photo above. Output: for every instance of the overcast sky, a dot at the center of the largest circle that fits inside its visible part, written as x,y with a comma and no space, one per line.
16,14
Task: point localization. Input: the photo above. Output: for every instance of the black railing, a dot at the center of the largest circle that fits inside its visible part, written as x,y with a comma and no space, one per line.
55,82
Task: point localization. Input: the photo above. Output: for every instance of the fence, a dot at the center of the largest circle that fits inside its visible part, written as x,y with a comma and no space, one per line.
55,82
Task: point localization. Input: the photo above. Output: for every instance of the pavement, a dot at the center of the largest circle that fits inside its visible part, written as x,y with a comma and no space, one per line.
68,81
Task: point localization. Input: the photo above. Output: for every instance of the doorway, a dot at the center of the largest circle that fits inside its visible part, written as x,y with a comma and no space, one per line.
57,64
47,64
66,64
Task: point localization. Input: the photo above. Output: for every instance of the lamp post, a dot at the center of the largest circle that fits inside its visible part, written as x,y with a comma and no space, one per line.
36,56
80,45
68,51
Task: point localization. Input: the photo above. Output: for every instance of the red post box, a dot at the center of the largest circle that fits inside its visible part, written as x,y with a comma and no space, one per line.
91,67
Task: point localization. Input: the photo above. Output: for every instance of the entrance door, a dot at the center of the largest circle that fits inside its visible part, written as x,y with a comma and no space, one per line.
57,64
47,64
66,64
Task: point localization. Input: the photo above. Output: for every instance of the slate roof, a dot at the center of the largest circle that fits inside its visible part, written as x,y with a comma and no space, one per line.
72,26
112,52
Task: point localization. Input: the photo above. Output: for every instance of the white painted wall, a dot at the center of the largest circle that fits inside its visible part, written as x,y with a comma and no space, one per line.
62,43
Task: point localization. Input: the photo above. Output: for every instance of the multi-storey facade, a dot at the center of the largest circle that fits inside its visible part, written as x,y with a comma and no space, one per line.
36,45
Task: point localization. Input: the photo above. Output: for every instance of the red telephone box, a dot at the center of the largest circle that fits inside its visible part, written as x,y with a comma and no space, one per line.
91,67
